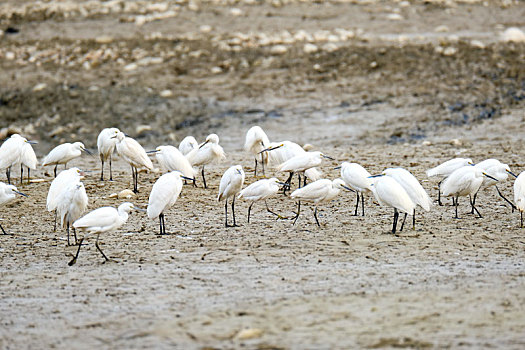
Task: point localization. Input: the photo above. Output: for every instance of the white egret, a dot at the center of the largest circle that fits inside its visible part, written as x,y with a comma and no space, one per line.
11,152
101,220
163,195
106,143
413,188
300,163
59,183
208,152
256,141
281,152
231,184
323,190
519,195
464,181
444,170
188,144
388,192
72,202
357,178
134,155
27,159
8,194
313,174
64,153
171,159
260,191
497,170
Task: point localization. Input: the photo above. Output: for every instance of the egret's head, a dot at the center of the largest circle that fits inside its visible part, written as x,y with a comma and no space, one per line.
213,138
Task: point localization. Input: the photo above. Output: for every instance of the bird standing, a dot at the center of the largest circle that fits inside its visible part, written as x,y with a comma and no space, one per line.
187,145
444,170
106,143
11,152
101,220
388,192
519,195
208,152
260,191
231,184
134,154
256,141
171,159
64,153
72,202
8,194
357,178
299,164
323,190
413,188
497,170
464,181
59,183
164,194
27,159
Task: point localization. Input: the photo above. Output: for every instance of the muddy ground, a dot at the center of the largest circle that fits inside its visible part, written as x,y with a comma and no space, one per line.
381,83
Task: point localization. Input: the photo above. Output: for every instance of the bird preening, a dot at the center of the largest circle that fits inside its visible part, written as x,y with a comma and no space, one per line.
318,182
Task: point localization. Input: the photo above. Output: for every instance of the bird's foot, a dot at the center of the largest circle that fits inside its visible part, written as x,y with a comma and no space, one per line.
234,225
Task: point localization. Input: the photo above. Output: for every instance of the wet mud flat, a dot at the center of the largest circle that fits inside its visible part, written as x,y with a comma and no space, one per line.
379,83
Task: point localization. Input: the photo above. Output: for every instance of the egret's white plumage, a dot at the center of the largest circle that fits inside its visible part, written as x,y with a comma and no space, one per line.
300,163
444,170
27,159
7,195
134,154
231,184
171,159
496,169
106,143
63,153
164,194
519,194
188,144
282,151
413,188
260,191
464,181
389,192
72,202
11,153
323,190
256,141
102,220
313,174
208,152
357,178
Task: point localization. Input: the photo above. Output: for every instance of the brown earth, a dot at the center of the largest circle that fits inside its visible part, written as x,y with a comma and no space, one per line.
391,84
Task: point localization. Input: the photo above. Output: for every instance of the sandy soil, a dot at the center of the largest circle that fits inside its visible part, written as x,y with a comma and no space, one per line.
402,84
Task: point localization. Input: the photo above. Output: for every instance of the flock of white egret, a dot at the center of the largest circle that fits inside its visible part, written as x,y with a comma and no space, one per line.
394,187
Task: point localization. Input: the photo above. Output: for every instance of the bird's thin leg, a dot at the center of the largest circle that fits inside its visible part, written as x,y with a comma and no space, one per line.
439,192
262,164
55,224
203,178
396,216
21,174
100,250
226,212
502,196
473,202
298,211
249,210
55,171
102,170
477,211
67,230
75,234
299,178
362,204
414,219
74,260
28,175
521,221
65,166
456,205
160,223
403,223
269,211
3,231
255,171
315,216
233,211
8,175
287,183
136,180
357,203
194,181
110,170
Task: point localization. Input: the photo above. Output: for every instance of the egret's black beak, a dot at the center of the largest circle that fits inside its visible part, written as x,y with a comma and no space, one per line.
490,177
347,188
327,157
510,172
372,176
22,194
337,167
140,209
239,172
32,142
187,178
270,149
154,151
87,151
203,144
